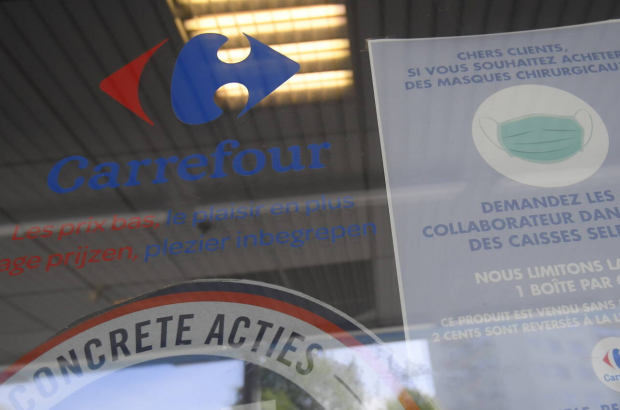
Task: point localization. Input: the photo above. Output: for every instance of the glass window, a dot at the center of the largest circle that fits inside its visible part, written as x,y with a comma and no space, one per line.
306,204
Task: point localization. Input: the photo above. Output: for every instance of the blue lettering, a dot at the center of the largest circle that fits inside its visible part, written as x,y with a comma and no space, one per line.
219,155
106,175
315,150
238,162
52,178
111,176
185,164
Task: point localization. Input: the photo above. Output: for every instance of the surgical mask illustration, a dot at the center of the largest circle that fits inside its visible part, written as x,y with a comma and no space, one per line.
541,138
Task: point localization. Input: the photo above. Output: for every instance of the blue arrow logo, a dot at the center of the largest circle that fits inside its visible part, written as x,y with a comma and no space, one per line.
198,73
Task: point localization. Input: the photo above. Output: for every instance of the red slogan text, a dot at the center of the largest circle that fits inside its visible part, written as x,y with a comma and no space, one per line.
89,226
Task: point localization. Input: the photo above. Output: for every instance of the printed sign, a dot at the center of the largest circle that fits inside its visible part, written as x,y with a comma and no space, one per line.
501,156
290,335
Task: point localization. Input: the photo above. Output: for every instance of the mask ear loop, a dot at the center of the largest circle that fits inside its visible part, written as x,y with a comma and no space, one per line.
591,125
485,133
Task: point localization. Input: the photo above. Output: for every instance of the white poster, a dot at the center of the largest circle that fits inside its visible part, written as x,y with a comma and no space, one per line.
502,161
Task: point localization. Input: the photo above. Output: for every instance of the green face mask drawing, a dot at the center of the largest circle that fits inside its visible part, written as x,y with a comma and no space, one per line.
544,139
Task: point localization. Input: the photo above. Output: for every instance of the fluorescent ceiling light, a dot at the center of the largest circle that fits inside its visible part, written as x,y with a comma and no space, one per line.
261,17
300,52
205,1
322,80
282,27
266,23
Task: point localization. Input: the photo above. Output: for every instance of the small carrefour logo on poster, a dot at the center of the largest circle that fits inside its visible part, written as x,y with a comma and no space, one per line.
614,355
606,362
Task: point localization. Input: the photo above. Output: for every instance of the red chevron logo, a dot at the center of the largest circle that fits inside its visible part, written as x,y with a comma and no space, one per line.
123,84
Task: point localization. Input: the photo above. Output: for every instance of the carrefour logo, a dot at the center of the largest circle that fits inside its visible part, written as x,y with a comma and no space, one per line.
612,355
606,362
197,75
